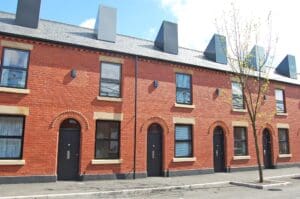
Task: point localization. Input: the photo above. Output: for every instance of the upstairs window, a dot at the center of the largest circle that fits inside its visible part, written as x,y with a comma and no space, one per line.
183,141
183,88
107,140
11,137
283,139
280,101
237,96
14,68
240,141
110,81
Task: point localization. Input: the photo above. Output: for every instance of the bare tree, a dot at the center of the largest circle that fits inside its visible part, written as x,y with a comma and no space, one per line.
242,34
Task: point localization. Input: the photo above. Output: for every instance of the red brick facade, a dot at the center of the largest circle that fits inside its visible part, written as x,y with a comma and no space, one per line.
55,96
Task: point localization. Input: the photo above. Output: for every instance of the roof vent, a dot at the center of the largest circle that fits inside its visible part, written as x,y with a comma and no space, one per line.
257,57
217,49
106,24
287,67
28,13
167,38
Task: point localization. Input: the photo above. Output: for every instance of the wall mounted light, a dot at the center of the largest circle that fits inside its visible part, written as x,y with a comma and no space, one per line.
218,91
265,97
73,73
155,83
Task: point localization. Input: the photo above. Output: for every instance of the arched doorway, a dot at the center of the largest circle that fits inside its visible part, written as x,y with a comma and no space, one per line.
154,150
219,150
68,150
267,149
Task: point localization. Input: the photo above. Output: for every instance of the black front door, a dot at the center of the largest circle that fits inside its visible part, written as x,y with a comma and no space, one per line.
219,154
154,150
68,154
267,149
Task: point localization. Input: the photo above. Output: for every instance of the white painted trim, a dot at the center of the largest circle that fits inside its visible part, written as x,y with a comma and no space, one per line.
239,110
285,155
108,116
192,106
17,45
14,110
111,59
107,161
282,114
242,157
240,123
191,159
283,126
183,70
109,99
14,90
183,120
12,162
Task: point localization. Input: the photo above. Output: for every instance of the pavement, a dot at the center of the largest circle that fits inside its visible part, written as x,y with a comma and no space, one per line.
120,188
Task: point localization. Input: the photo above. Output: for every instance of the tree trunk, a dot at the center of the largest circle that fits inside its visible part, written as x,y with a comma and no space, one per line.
260,171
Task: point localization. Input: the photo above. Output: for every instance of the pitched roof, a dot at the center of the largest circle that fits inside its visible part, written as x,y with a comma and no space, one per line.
76,35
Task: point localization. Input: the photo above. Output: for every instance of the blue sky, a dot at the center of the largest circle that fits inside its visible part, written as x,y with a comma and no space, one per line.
195,18
139,18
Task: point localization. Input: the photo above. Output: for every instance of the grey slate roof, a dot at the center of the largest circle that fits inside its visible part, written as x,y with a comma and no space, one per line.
75,35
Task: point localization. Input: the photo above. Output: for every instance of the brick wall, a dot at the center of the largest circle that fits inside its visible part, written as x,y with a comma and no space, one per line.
55,96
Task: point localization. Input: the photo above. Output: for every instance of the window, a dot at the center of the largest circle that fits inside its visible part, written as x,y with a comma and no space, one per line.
110,80
237,96
11,137
183,89
183,141
14,68
280,103
240,141
107,140
283,139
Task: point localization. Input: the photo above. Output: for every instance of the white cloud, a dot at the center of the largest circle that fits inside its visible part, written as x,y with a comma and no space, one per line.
89,23
196,21
151,33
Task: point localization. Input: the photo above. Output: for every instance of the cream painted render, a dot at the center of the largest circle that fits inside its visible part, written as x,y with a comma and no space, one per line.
111,59
108,116
17,45
183,120
14,110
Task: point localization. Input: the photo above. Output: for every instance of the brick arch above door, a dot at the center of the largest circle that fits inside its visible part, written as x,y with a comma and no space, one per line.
70,114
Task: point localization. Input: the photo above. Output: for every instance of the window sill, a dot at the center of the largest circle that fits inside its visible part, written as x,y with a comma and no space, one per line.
190,159
242,157
14,90
282,114
285,155
191,106
109,99
106,161
239,110
12,162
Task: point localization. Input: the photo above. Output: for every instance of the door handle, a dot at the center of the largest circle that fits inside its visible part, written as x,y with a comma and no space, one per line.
68,155
264,152
217,153
153,154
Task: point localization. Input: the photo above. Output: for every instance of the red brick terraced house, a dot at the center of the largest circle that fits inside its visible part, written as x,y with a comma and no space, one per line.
83,104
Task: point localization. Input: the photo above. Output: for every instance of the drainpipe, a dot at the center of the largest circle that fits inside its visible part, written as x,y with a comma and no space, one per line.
135,115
